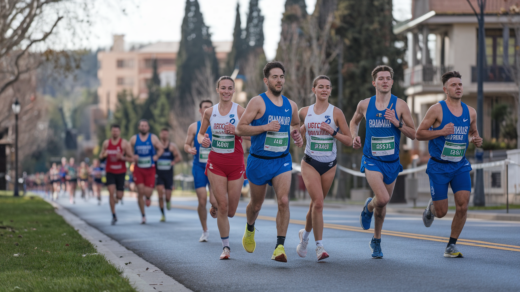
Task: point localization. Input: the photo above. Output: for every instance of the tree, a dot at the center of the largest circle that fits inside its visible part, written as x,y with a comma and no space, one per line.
161,113
154,93
127,114
237,49
254,55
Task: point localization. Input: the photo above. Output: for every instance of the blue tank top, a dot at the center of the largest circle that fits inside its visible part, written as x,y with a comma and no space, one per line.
273,144
164,163
451,150
197,145
382,138
145,151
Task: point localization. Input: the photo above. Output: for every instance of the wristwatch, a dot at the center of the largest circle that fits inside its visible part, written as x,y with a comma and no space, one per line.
400,124
335,133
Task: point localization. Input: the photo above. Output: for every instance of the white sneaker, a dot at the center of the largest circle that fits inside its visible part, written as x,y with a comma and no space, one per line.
204,237
321,253
226,254
301,249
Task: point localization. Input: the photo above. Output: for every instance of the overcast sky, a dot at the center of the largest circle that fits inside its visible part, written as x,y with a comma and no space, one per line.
160,20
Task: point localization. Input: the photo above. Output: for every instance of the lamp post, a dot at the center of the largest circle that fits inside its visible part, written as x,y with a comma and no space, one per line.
16,110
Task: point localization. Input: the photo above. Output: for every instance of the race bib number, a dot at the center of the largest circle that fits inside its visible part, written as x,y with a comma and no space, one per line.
164,164
276,141
204,154
383,146
322,145
223,143
453,151
144,162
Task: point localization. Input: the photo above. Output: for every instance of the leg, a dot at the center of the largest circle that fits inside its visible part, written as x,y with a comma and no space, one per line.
461,202
255,204
202,196
281,185
112,197
140,197
160,193
234,189
383,193
219,186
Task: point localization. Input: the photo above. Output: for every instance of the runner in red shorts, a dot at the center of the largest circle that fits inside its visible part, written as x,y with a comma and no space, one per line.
225,167
147,149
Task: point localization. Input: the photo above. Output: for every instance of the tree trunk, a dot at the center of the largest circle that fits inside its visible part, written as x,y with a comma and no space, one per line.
518,120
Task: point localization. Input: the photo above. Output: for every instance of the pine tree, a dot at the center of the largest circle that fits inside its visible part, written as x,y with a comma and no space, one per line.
254,27
254,56
127,114
237,49
154,92
161,113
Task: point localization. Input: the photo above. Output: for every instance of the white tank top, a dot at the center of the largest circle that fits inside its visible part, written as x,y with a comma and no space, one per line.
222,142
321,146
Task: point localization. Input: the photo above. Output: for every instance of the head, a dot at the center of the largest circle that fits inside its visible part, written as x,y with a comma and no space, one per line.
71,161
63,161
452,84
321,87
144,127
225,88
274,77
95,162
115,131
383,78
204,105
82,164
165,134
54,165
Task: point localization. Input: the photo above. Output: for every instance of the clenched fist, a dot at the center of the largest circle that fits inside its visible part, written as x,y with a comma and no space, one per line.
273,126
229,129
297,137
206,142
448,129
356,144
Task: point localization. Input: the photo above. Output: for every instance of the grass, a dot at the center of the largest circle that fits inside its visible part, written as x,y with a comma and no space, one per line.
500,207
39,251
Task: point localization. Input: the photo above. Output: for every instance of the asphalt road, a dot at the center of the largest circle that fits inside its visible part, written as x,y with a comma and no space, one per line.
413,255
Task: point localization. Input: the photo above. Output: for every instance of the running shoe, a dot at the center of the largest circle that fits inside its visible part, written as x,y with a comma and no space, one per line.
163,219
375,245
452,252
168,206
427,216
226,253
143,220
279,254
366,217
321,253
147,201
114,220
204,237
248,240
301,249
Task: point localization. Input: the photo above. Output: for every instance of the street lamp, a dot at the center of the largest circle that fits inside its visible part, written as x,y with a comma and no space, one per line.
16,110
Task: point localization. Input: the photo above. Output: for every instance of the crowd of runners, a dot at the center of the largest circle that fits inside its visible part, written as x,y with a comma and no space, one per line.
271,121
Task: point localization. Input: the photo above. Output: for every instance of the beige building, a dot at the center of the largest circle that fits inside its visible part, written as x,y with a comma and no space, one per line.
122,69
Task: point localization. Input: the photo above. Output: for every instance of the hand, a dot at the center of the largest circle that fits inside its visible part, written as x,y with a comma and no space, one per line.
273,126
229,129
206,142
213,212
476,140
356,144
297,137
119,156
173,162
136,158
448,129
155,157
327,128
193,151
390,115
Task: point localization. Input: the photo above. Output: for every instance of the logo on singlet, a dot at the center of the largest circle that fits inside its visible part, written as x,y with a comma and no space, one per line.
327,119
232,121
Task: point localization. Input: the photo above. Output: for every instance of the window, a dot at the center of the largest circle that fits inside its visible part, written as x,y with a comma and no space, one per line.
125,81
495,47
125,63
148,63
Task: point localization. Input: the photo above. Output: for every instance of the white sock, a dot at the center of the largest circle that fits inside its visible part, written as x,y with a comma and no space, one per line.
206,232
319,243
306,235
225,241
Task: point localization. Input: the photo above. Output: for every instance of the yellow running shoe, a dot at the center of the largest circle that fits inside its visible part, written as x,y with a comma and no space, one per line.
279,254
248,241
163,219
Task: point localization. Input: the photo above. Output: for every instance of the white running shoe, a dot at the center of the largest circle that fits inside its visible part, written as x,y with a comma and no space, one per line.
226,254
321,253
301,249
204,237
143,220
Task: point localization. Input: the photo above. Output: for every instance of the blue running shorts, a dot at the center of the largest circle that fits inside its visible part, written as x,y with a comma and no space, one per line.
459,181
262,171
199,178
390,170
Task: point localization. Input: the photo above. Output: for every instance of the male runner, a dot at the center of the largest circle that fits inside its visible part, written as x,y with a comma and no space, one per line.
387,116
117,151
97,184
200,157
270,119
72,179
147,148
164,171
63,179
449,126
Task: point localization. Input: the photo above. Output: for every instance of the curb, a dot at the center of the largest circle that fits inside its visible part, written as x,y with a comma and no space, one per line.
143,276
471,214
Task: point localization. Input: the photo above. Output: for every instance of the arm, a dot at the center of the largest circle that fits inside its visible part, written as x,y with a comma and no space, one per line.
231,129
176,153
433,115
132,146
359,114
345,139
103,152
295,125
159,147
188,145
302,114
252,110
408,128
129,155
473,135
203,138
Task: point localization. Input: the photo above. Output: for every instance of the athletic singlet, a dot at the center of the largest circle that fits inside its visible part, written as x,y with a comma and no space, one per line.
113,163
54,174
222,143
202,153
382,138
164,163
145,151
71,172
83,173
63,171
321,146
451,148
96,172
273,144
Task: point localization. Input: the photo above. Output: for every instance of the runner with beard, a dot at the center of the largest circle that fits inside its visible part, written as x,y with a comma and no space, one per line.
164,171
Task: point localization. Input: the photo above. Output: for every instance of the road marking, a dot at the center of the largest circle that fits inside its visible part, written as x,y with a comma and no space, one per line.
460,241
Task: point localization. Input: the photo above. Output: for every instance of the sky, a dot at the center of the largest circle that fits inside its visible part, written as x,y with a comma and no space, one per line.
149,21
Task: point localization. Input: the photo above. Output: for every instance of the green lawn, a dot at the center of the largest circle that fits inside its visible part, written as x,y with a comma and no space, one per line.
501,207
39,251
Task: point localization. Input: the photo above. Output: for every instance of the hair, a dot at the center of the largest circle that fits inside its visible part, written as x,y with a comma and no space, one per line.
271,65
165,129
225,78
143,120
382,68
204,101
115,126
448,75
318,78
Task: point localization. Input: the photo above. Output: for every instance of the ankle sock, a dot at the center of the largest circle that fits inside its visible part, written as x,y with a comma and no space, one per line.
162,211
280,240
225,241
251,227
319,243
306,235
114,215
452,241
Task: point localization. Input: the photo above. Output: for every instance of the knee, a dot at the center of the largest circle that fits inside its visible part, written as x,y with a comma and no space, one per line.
231,214
255,207
223,207
317,205
381,202
283,202
441,212
462,208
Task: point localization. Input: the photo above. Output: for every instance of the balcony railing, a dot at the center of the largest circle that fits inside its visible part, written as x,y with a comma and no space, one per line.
424,75
492,74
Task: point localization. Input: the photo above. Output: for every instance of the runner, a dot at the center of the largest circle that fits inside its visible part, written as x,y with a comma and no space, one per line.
225,167
147,149
386,117
97,184
268,119
319,162
54,175
72,179
63,174
116,151
164,171
83,173
449,126
200,157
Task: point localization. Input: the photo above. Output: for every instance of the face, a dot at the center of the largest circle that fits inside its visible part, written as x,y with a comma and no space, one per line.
63,161
82,164
322,89
383,82
54,165
225,90
144,127
275,81
71,161
164,135
95,163
115,132
204,107
453,88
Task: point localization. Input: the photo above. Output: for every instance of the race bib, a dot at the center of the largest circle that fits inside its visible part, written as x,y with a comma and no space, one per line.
453,151
382,146
276,141
144,162
223,143
164,164
203,154
321,145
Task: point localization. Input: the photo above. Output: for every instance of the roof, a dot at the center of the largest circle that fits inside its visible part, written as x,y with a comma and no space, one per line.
173,47
459,7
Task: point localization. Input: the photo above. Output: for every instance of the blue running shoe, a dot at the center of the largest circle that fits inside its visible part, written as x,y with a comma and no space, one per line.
375,245
366,217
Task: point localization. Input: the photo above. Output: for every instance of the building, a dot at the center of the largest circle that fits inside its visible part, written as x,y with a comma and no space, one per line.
130,69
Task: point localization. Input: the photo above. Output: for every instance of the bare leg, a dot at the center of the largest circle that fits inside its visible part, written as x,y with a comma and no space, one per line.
202,196
383,193
219,186
281,185
140,197
112,197
255,204
461,201
160,193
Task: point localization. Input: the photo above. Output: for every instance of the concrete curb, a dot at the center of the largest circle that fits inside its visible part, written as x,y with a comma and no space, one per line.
143,276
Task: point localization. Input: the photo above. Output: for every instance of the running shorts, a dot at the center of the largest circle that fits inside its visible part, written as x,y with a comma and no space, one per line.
98,180
164,178
262,171
231,172
145,176
117,179
443,174
320,167
199,176
390,170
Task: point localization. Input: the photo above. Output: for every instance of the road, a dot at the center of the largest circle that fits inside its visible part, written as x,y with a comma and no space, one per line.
413,255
